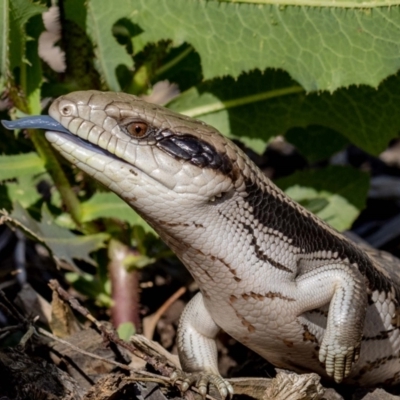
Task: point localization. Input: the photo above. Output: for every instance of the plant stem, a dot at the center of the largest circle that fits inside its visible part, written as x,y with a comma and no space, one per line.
174,61
60,180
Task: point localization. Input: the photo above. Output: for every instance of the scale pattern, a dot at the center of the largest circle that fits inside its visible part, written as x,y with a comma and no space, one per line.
270,273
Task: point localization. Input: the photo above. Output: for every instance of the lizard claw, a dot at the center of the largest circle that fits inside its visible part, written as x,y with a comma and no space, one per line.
338,359
202,380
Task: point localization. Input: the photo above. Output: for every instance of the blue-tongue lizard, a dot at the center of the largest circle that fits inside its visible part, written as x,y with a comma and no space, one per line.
271,274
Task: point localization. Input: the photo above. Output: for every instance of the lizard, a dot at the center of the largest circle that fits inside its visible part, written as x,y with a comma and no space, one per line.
271,274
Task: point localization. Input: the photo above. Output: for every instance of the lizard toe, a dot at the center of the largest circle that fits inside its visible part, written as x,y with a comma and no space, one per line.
202,381
338,360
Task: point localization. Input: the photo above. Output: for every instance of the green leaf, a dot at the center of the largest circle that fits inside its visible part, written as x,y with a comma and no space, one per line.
109,205
75,10
90,286
323,45
60,242
258,106
24,191
15,166
139,261
336,194
5,201
312,202
33,66
79,52
21,12
101,16
27,170
240,108
181,66
332,208
23,65
126,330
4,32
316,142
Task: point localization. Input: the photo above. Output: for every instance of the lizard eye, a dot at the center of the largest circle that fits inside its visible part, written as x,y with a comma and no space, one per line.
137,129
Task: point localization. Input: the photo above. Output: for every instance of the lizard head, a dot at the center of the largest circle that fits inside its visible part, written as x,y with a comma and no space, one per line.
153,158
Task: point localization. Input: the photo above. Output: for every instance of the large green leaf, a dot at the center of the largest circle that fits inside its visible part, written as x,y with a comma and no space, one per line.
21,64
332,208
79,54
347,182
323,44
258,107
109,205
4,32
20,13
24,192
316,142
336,194
105,205
60,242
101,15
26,170
15,166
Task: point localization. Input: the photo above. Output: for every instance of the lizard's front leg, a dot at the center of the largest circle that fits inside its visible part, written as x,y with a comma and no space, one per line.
345,288
198,350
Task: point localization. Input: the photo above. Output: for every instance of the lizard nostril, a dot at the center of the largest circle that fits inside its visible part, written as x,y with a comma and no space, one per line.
67,110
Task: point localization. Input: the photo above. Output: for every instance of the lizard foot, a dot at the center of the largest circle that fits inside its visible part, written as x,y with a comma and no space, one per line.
338,359
202,380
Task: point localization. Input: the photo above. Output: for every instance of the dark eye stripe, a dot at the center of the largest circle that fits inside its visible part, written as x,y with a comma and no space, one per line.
196,151
174,149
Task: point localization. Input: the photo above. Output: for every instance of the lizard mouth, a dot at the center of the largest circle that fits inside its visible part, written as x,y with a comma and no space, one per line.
50,124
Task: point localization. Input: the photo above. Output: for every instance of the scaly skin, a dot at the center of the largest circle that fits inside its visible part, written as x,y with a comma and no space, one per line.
270,273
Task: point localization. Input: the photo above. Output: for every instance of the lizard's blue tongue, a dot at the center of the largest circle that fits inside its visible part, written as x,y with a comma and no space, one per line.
50,124
35,122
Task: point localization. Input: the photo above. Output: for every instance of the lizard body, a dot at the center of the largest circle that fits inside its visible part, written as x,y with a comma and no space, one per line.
270,273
